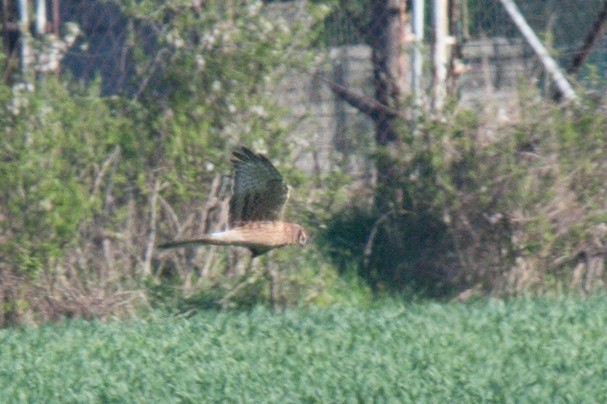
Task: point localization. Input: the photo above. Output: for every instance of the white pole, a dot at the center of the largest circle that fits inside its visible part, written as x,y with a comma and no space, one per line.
440,53
24,29
418,61
549,64
40,17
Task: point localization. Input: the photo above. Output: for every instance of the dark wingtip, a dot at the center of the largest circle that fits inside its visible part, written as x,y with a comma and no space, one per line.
243,151
245,157
242,154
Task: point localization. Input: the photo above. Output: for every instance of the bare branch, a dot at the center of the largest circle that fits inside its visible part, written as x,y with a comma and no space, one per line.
592,38
368,251
171,215
102,171
364,104
147,263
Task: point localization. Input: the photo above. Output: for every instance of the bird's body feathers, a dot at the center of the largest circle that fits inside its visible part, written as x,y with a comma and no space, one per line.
256,209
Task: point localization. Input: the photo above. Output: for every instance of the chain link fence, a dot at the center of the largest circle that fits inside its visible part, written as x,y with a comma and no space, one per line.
562,27
485,38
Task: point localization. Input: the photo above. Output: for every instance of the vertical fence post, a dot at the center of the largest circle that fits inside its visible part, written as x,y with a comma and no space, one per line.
40,17
440,53
25,42
418,62
41,24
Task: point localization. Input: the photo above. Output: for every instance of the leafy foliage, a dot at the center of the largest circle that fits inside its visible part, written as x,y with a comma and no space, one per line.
47,169
471,205
89,183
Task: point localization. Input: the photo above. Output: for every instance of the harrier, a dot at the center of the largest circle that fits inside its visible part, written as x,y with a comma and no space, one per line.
255,217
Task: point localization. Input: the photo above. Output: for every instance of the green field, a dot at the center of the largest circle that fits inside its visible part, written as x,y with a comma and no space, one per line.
524,350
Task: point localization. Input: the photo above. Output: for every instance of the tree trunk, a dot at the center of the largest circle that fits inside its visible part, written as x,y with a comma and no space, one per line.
387,35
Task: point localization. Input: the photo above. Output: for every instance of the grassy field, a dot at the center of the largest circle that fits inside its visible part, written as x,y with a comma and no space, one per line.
519,351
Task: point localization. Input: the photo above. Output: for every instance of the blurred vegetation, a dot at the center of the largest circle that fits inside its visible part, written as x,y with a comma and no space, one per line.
89,184
537,350
483,207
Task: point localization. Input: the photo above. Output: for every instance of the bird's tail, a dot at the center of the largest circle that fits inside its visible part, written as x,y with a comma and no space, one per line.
190,243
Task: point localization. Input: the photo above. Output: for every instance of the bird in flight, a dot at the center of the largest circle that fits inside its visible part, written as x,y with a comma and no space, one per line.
256,210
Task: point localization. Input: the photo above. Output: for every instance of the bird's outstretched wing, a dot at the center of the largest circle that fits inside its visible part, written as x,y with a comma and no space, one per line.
259,191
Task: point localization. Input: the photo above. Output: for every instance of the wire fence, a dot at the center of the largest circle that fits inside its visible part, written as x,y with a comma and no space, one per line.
562,25
488,58
364,69
102,50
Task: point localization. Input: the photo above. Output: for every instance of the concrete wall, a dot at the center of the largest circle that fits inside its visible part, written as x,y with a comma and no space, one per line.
493,70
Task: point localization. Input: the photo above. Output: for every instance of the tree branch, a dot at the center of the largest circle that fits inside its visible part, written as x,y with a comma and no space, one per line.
592,38
364,104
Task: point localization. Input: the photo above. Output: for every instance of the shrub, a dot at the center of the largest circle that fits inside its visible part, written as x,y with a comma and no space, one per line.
485,207
57,160
90,183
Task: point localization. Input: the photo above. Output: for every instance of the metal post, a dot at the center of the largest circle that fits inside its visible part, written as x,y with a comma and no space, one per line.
440,53
549,64
25,42
40,17
418,61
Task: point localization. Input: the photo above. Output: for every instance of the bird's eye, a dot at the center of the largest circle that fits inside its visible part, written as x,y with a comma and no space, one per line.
302,238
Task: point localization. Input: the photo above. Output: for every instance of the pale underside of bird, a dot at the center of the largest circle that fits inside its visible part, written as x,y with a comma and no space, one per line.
256,209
